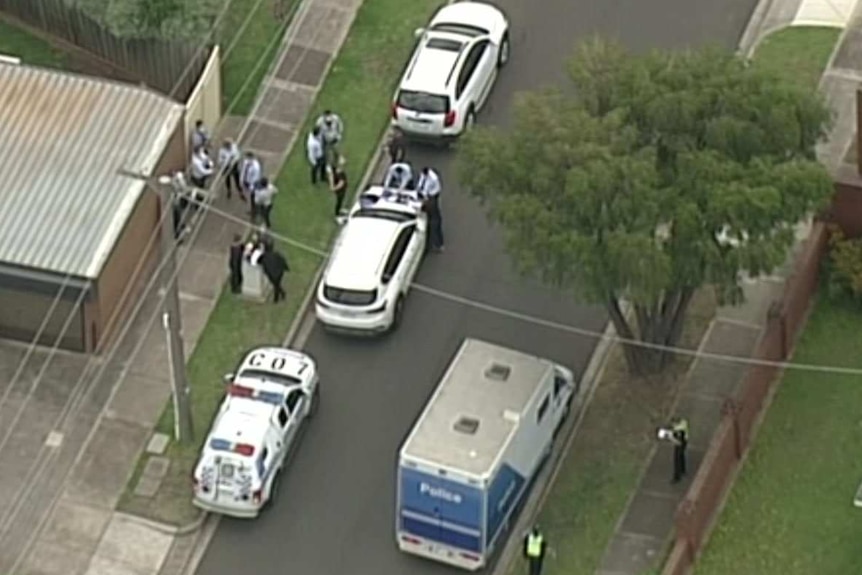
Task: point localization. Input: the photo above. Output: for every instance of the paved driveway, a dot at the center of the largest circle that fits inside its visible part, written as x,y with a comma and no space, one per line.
335,515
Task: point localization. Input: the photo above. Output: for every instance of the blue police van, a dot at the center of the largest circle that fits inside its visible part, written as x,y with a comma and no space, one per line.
471,456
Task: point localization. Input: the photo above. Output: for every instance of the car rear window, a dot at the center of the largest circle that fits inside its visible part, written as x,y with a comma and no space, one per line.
423,102
349,296
444,44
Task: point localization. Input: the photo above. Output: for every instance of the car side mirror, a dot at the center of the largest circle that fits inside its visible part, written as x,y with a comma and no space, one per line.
227,378
418,32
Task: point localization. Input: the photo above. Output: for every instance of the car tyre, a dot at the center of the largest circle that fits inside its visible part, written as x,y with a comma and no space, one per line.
505,51
470,120
396,315
273,490
315,402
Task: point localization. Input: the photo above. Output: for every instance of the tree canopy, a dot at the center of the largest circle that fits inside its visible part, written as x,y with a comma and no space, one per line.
648,176
189,20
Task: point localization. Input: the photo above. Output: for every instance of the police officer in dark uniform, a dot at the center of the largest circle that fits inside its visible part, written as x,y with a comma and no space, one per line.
679,437
534,550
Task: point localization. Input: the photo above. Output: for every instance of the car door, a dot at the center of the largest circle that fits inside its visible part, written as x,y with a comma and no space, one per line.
413,257
296,408
481,61
282,418
465,87
395,270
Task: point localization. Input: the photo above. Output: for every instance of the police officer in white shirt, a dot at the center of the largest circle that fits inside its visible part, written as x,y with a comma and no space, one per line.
399,176
316,157
331,131
228,162
429,188
263,201
201,169
250,173
200,137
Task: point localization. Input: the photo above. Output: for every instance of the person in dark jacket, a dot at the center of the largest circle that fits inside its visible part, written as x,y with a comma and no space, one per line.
274,266
235,264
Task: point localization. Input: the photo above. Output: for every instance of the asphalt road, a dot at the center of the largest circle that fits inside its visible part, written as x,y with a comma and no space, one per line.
335,513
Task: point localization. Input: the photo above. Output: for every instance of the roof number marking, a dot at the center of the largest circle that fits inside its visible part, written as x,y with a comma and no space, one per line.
258,359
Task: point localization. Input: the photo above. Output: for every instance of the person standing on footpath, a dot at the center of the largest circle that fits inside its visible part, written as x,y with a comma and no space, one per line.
316,157
274,266
263,201
679,437
331,132
237,250
250,173
201,168
228,161
338,185
535,547
200,136
428,187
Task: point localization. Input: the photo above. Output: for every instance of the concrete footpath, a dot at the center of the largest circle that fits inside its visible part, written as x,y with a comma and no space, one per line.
69,525
647,524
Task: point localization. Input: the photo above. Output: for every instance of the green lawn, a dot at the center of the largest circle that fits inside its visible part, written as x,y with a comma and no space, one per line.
604,464
791,510
255,42
800,52
359,87
30,49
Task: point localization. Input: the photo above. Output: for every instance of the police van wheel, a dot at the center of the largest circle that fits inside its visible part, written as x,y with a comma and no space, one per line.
505,51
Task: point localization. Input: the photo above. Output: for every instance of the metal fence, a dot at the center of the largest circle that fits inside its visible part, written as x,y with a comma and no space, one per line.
740,415
160,64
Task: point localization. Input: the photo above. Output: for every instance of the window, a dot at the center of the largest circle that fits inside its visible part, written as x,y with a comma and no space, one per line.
349,296
293,399
559,384
470,64
423,102
397,253
465,29
264,375
543,408
282,417
444,44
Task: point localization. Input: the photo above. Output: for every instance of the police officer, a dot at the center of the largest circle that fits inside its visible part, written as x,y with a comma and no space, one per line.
428,187
679,430
534,550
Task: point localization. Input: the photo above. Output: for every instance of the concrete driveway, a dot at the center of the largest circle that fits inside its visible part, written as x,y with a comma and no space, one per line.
335,515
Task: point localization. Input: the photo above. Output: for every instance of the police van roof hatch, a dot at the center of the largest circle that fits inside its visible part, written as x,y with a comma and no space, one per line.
467,425
498,372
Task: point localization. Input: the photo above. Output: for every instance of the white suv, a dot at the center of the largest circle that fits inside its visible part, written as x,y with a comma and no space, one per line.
452,71
374,260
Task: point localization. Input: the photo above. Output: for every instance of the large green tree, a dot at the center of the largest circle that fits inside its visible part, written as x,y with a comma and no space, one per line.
646,177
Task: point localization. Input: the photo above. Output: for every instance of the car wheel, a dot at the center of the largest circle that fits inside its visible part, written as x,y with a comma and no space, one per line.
505,49
273,490
315,402
469,120
396,315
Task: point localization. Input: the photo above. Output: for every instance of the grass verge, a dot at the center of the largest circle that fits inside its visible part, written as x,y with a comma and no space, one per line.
800,53
605,460
359,87
791,509
250,48
30,49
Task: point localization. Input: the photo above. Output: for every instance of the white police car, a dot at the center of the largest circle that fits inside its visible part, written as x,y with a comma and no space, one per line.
373,262
271,394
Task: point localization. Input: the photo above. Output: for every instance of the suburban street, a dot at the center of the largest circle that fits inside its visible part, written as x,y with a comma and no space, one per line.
335,511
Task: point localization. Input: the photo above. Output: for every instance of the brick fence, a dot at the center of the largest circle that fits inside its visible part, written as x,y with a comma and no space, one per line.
740,415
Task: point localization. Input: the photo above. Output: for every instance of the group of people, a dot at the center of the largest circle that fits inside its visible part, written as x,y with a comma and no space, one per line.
326,161
242,173
426,184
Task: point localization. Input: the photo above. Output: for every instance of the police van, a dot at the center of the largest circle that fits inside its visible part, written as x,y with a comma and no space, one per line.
272,393
471,458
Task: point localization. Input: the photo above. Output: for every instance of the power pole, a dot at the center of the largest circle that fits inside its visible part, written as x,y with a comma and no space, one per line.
171,318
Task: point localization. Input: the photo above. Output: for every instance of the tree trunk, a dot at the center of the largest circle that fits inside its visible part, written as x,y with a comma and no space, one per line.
657,327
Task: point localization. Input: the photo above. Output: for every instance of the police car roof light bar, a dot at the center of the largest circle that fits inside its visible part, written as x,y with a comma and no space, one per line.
225,445
272,398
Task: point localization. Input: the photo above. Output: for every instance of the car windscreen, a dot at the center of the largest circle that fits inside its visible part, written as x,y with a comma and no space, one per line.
423,102
349,296
270,376
378,213
464,29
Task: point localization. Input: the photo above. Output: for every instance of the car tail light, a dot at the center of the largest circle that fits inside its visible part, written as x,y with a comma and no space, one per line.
449,120
394,110
257,496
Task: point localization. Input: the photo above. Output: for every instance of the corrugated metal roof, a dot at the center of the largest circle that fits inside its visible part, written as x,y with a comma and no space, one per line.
63,138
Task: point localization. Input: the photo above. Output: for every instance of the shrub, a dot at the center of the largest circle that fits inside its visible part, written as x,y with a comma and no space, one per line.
162,19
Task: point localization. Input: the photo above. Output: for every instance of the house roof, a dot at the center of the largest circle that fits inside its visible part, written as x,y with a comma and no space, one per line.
63,139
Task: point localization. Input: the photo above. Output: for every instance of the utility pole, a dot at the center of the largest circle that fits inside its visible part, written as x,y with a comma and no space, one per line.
171,318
